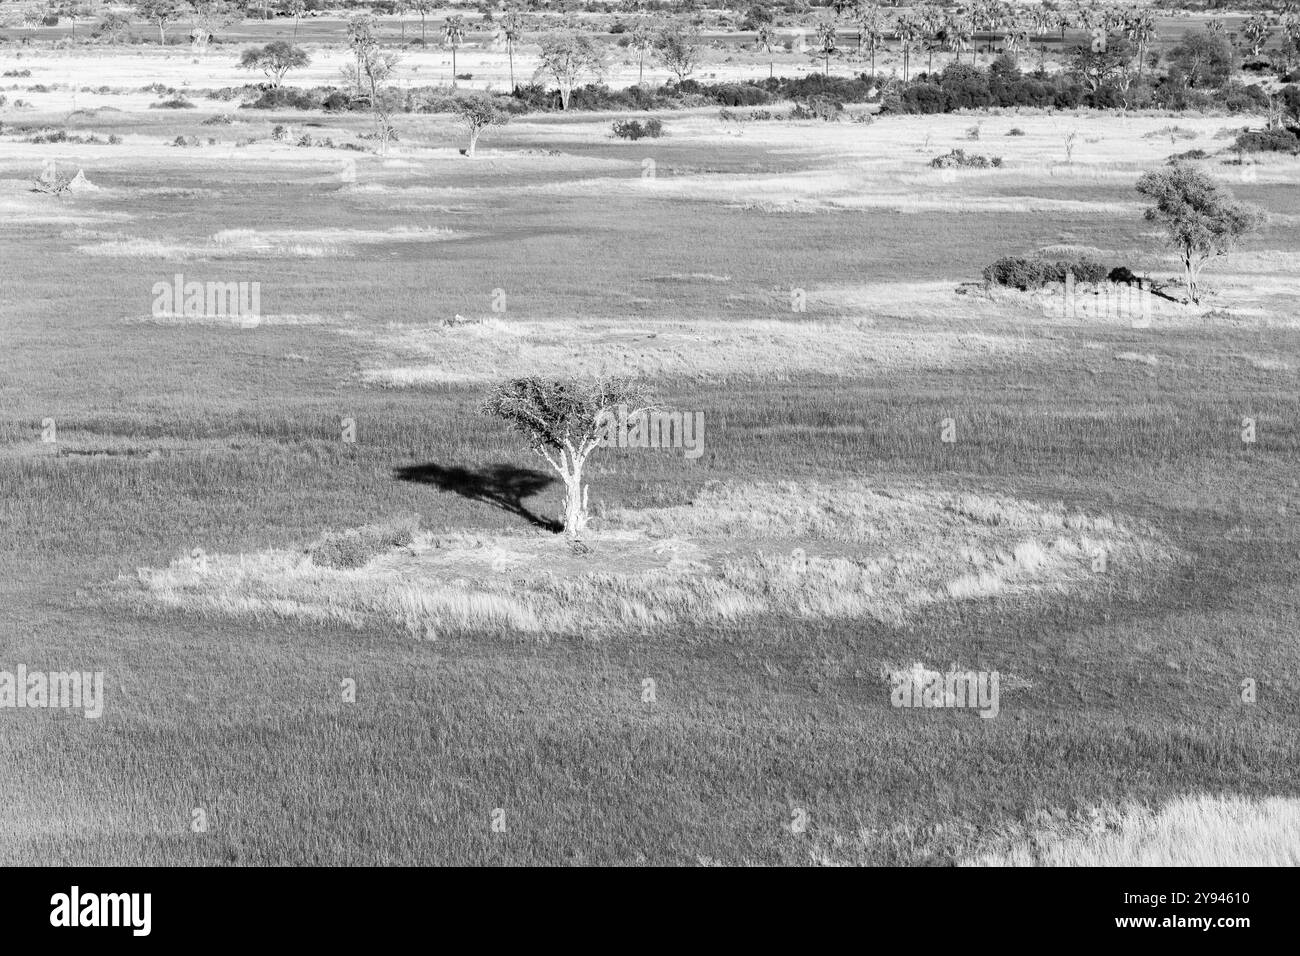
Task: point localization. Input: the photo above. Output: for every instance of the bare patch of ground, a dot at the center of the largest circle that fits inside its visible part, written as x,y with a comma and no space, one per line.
837,550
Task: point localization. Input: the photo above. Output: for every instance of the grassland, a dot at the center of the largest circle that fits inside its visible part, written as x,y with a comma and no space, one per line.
174,436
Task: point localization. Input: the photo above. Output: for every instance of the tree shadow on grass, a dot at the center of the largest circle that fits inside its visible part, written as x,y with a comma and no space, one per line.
504,486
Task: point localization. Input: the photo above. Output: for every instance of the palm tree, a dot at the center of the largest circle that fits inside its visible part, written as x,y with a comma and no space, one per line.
512,29
423,8
297,8
643,40
930,21
1017,37
871,28
826,42
907,32
453,34
765,38
957,36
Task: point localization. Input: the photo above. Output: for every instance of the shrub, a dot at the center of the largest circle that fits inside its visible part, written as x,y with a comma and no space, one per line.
635,129
1015,131
1190,154
818,107
284,97
175,103
357,547
1267,141
960,158
1028,272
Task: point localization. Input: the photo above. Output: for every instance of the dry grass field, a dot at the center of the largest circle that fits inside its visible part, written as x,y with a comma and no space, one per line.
899,466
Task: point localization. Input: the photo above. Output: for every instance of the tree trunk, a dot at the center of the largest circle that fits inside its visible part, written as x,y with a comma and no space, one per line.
575,495
473,142
510,52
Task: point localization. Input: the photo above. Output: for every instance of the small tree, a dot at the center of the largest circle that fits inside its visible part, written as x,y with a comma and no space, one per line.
209,16
1203,219
679,49
765,38
275,60
568,57
564,422
477,113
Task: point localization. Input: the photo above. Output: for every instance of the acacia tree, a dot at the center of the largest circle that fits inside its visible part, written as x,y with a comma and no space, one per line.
679,49
160,12
512,30
476,114
275,60
567,57
564,422
1202,219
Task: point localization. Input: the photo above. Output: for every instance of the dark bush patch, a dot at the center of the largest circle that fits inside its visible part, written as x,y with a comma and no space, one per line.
1267,141
1027,272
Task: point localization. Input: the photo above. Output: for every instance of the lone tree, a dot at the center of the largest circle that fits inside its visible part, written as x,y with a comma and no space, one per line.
564,422
1203,219
275,60
568,57
477,113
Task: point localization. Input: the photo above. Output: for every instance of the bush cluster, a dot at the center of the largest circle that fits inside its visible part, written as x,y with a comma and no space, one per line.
1029,272
635,129
960,158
